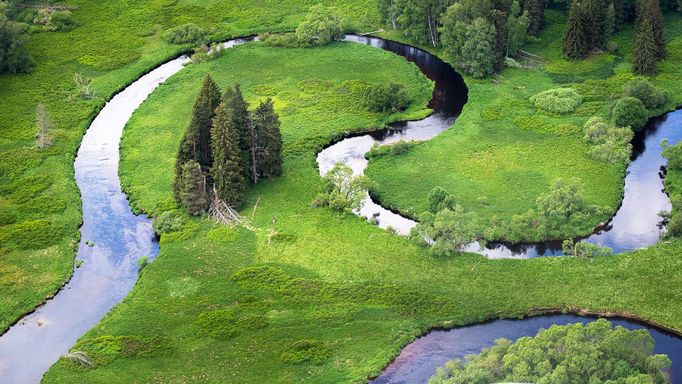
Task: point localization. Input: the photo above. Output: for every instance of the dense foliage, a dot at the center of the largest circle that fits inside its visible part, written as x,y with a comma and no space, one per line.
589,27
321,26
629,112
651,96
649,44
392,97
14,55
584,249
189,33
574,353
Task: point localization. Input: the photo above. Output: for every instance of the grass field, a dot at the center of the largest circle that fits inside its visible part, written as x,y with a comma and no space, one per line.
319,296
508,152
114,43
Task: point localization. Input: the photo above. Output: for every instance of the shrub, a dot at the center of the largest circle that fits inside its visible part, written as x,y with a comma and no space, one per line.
283,40
610,144
142,262
313,351
61,21
189,33
169,221
584,249
7,217
218,324
392,97
559,100
629,112
673,154
447,231
440,199
651,96
342,191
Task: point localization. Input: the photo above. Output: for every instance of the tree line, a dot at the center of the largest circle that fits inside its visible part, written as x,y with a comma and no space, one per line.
591,23
14,54
226,147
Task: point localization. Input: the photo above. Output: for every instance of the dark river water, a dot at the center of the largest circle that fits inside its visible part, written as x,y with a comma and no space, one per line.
120,238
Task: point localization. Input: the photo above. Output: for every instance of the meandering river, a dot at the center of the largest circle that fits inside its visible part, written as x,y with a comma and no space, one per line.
113,238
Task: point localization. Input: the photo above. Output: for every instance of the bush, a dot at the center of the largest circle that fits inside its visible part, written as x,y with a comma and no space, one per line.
651,96
392,97
61,21
342,191
629,112
189,33
284,40
313,351
7,217
610,144
169,221
673,154
584,249
440,199
559,100
14,56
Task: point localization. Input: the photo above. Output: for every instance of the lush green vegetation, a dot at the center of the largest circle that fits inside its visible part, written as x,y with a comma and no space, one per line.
574,353
509,151
111,44
224,304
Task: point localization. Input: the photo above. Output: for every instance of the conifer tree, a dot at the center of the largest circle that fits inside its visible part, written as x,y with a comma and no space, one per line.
594,14
610,22
226,170
234,100
575,39
192,189
620,13
536,14
649,44
196,142
266,124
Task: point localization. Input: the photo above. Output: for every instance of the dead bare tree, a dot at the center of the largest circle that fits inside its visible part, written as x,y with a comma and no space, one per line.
83,86
223,213
44,124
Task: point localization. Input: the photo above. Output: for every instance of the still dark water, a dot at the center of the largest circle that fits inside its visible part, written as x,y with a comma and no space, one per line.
418,361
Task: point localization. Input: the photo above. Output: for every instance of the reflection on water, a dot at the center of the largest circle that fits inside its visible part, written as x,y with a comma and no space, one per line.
109,269
418,361
635,225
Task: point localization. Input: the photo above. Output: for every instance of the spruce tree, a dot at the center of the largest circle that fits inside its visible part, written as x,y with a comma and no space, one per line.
610,22
575,39
644,51
227,173
267,125
620,13
657,19
536,14
192,189
234,100
594,14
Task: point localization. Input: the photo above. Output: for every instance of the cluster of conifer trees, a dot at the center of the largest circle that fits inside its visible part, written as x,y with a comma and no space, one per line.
225,147
591,23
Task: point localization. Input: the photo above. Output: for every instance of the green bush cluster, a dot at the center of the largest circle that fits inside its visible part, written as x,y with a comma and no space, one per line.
189,33
281,40
558,100
394,149
584,249
392,97
106,349
652,97
168,221
574,353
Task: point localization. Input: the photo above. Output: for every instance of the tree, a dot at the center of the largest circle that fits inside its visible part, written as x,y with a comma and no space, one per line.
14,55
392,97
440,199
651,96
447,231
564,199
43,137
649,43
234,100
584,249
536,14
575,39
610,22
202,117
192,191
478,49
595,12
629,112
517,25
322,25
195,143
227,173
342,191
267,126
